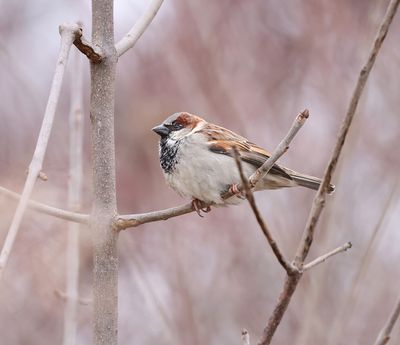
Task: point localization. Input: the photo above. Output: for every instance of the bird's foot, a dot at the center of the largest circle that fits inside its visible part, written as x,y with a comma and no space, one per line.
198,206
234,189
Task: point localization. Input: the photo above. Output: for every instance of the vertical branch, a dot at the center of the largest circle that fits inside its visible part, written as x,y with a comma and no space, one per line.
104,208
67,33
74,201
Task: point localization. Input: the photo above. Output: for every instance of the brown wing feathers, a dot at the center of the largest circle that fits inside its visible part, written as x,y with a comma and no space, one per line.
249,152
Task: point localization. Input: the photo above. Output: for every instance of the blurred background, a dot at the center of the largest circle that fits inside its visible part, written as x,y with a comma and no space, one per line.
247,65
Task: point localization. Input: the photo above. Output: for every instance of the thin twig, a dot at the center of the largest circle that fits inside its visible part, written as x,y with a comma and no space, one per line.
129,40
319,200
250,198
280,149
80,218
74,201
384,335
132,220
323,258
245,337
68,34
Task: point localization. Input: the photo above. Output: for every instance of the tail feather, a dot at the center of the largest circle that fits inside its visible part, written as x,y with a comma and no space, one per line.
310,182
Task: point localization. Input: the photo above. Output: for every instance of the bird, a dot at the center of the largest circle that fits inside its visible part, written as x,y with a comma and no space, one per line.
197,160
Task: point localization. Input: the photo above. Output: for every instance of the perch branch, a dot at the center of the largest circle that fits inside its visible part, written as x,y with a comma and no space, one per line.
129,40
68,34
250,198
49,210
323,258
319,199
384,335
132,220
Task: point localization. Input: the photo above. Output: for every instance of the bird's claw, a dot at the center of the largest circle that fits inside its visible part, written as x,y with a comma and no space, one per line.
198,207
234,189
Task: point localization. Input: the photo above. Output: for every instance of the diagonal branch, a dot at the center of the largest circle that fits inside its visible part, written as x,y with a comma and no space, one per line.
250,198
132,220
326,256
49,210
68,34
129,40
281,148
319,200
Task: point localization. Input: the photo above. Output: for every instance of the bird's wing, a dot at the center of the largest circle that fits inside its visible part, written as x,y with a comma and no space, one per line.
222,141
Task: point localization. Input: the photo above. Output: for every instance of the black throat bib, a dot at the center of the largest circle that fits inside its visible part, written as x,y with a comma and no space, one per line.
168,154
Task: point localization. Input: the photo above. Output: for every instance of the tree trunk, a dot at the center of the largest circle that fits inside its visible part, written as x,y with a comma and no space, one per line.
105,273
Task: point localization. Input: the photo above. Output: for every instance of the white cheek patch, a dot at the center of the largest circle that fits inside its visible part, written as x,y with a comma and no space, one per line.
171,142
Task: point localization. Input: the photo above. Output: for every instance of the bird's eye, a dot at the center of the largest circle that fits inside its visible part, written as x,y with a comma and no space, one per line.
175,126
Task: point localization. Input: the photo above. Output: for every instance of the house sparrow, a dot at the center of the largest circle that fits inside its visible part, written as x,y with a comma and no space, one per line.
197,160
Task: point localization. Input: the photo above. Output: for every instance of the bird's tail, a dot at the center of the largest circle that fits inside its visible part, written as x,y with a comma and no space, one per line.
310,182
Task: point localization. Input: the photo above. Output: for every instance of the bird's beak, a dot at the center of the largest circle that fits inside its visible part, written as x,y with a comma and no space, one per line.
161,130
